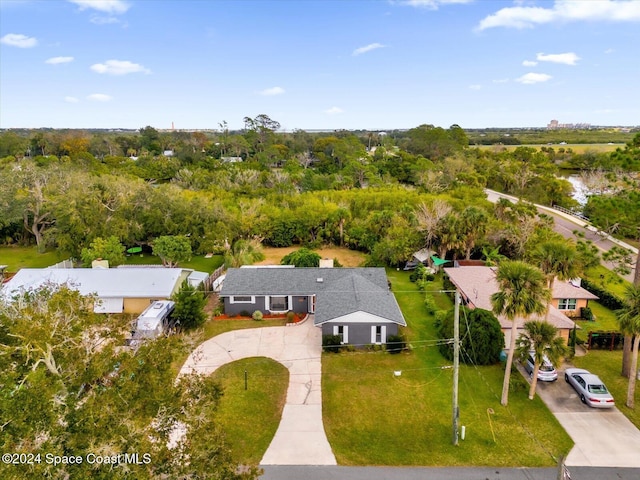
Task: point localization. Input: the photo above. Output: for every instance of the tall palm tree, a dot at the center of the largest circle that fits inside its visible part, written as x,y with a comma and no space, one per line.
557,259
522,293
629,320
542,339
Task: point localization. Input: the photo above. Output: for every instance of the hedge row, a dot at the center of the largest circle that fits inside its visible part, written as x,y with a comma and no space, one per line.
607,299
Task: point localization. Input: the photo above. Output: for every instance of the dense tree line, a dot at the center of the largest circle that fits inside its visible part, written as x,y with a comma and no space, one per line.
370,192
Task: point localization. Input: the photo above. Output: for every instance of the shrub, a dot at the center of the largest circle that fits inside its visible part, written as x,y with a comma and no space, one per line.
586,313
481,337
257,315
291,316
395,343
430,304
607,299
331,343
245,313
418,273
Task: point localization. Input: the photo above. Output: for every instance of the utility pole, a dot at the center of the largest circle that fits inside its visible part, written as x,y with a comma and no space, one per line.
456,365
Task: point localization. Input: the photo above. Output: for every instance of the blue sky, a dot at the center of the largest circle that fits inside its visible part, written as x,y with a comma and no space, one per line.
332,64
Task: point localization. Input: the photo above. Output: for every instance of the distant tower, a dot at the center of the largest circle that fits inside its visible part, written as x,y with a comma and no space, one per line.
172,127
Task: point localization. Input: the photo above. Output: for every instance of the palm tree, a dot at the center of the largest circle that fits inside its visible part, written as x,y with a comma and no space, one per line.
629,320
557,259
542,339
243,252
522,292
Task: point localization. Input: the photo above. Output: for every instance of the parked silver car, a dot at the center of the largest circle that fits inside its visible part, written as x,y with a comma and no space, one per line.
589,387
546,373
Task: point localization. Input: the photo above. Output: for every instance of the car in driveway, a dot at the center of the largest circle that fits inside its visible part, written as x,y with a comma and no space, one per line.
546,373
589,388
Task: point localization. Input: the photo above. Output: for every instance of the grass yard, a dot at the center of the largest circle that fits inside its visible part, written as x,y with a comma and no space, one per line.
28,257
607,365
605,321
375,418
607,279
250,418
197,262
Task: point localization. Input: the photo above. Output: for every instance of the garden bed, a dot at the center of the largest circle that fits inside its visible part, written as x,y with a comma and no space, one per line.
297,317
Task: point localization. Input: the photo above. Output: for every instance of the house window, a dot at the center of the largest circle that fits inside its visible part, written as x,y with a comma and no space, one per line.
279,304
378,334
242,299
343,332
567,304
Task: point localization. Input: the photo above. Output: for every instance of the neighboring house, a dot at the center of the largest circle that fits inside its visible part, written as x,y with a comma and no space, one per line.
118,290
477,284
355,303
231,159
569,297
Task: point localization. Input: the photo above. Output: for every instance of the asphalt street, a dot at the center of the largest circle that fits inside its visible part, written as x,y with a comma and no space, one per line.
444,473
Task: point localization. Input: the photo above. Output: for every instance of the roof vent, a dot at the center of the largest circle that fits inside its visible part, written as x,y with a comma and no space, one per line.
319,280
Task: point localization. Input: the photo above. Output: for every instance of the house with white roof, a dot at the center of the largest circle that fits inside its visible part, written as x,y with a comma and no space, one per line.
117,290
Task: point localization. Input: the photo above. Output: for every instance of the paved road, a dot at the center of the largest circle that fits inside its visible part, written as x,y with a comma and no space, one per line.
300,438
444,473
566,225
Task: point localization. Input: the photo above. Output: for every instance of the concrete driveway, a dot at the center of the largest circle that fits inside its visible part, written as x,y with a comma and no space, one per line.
300,438
602,437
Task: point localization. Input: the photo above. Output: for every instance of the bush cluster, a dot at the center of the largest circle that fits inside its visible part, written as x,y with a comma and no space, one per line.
607,298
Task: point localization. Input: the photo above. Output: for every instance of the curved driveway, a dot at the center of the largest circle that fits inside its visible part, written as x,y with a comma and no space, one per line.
300,438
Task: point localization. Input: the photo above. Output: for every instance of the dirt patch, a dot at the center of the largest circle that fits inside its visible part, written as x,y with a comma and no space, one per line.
213,300
348,258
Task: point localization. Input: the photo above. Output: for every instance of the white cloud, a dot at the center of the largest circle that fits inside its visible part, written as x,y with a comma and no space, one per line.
19,40
71,99
367,48
333,111
99,97
119,67
565,58
98,20
564,11
475,87
113,7
58,60
531,78
529,63
269,92
430,4
609,50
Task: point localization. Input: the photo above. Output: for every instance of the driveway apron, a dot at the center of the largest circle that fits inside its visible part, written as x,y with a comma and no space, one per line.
602,437
300,438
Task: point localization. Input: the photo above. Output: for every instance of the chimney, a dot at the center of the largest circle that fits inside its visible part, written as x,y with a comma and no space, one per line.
326,263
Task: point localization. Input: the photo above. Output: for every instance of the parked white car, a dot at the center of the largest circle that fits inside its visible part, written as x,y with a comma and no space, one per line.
589,387
546,373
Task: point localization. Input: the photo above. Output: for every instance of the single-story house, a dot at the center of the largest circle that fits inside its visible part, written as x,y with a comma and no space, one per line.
355,303
118,290
477,284
569,297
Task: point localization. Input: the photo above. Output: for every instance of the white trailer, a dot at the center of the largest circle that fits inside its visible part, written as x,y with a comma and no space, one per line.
154,320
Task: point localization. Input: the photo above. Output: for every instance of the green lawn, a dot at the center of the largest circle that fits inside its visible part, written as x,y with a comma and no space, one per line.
197,262
28,257
250,418
605,320
375,418
607,279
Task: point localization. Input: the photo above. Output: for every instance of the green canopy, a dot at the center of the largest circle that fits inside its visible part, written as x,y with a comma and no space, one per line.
438,261
134,250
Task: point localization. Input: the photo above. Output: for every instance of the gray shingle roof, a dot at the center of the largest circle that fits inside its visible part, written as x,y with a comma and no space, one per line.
340,292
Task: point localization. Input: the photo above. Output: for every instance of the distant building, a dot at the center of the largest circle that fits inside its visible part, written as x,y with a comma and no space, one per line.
554,125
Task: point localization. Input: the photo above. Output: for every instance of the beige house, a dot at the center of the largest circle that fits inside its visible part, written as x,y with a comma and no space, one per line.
570,297
476,285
